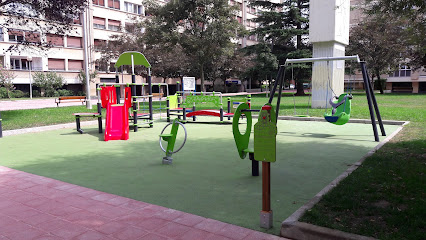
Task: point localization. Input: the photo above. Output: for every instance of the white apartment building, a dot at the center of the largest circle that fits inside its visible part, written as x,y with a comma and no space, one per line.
103,19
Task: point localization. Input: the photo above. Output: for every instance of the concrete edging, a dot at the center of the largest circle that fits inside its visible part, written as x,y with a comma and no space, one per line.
292,228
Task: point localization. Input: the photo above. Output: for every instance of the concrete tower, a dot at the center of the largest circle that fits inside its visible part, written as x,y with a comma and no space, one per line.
329,34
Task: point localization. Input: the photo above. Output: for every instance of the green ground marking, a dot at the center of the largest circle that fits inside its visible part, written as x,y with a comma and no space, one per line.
207,177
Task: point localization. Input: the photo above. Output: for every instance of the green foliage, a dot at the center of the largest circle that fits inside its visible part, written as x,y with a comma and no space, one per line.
203,28
82,76
50,82
380,42
36,93
6,78
4,93
18,94
412,15
283,29
65,92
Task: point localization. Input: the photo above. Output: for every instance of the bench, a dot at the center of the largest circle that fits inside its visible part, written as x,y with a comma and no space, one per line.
81,99
402,89
80,115
159,95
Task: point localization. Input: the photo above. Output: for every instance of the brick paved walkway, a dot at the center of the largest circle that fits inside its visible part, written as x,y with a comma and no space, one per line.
35,207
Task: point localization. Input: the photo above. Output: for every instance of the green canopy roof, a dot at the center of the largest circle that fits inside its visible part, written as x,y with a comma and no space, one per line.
126,59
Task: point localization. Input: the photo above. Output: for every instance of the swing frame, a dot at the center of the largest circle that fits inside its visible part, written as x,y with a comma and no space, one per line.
371,99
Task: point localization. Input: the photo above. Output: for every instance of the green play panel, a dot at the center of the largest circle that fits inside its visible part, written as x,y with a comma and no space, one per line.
207,177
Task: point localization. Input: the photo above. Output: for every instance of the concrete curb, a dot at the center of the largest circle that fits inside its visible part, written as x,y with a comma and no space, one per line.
292,228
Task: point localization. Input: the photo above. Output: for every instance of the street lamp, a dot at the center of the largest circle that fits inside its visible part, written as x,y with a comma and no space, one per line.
29,60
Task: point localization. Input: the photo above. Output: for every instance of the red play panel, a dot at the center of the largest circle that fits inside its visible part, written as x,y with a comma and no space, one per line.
208,112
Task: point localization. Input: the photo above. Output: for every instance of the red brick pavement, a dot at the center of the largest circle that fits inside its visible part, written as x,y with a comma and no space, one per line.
36,208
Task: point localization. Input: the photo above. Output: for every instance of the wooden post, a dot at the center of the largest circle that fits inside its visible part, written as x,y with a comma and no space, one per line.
266,217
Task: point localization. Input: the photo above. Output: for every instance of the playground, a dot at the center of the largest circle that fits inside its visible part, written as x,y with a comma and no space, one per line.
207,177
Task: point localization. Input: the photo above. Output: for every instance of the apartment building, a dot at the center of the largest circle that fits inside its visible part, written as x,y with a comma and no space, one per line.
103,19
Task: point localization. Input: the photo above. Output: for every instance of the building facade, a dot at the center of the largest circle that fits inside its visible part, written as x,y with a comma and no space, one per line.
102,19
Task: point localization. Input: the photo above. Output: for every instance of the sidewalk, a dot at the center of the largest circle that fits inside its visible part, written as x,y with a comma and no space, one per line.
34,104
35,207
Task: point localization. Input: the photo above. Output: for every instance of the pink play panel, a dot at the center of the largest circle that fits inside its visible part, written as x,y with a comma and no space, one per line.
35,207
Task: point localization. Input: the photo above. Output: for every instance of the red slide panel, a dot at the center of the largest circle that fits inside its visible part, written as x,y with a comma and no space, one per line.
117,122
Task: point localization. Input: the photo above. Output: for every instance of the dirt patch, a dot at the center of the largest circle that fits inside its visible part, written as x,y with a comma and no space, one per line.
382,204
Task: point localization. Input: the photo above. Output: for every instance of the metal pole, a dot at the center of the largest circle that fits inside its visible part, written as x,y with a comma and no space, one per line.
1,128
86,58
31,82
370,105
150,94
376,108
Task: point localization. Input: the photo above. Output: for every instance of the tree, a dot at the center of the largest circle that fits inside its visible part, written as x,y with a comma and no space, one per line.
378,41
226,67
82,77
60,15
204,29
49,81
6,77
283,28
410,13
265,63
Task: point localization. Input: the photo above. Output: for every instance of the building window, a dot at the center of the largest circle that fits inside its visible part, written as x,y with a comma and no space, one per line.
19,63
239,19
114,4
99,22
21,36
1,34
74,42
98,2
99,44
404,71
32,37
55,40
75,65
101,66
114,25
77,20
132,8
16,35
56,64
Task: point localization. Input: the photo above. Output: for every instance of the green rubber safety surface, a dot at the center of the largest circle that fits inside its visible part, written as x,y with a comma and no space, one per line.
207,177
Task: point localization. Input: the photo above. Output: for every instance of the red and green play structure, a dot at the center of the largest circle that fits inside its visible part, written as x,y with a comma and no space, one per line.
117,115
184,105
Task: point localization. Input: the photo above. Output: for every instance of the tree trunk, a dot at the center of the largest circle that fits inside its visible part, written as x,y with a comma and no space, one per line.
379,82
299,89
202,77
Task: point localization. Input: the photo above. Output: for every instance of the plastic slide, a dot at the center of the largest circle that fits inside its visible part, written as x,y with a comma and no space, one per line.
117,122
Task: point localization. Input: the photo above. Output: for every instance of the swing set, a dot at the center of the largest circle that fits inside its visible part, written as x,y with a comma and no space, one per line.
341,108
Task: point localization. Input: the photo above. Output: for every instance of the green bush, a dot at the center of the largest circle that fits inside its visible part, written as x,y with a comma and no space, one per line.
18,94
81,93
36,93
49,81
65,92
3,92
